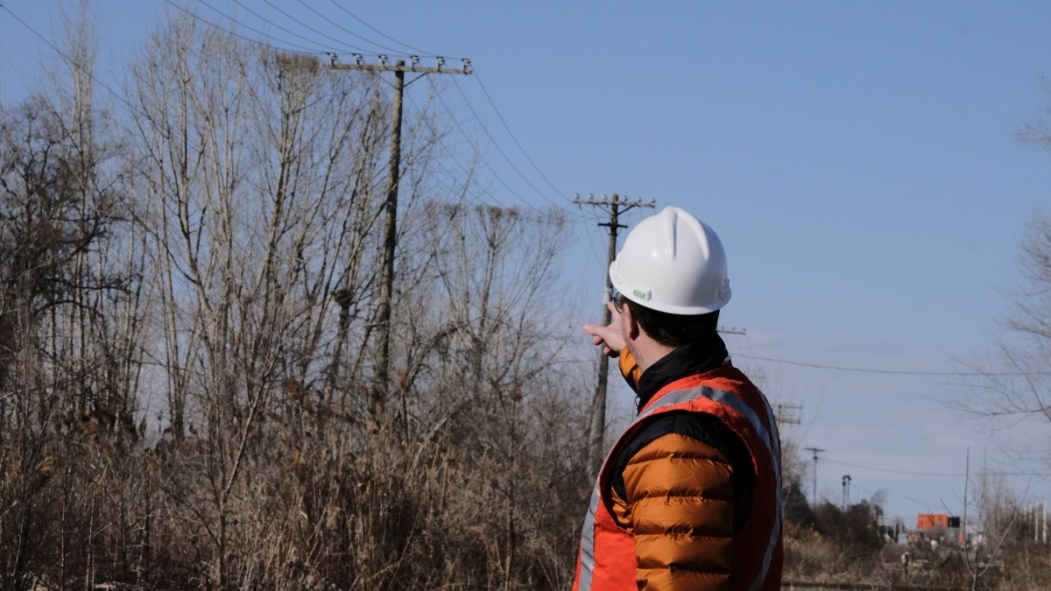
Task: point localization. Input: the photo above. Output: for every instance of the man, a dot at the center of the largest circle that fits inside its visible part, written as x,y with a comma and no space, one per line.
689,496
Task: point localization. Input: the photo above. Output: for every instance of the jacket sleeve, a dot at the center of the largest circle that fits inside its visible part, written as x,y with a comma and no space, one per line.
679,505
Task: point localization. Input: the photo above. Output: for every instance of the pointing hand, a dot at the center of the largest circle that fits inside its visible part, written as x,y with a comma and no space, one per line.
609,337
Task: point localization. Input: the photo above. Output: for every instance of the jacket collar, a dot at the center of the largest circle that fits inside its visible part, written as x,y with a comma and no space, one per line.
691,359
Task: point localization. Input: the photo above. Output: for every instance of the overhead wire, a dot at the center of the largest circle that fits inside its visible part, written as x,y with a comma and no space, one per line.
302,24
486,131
571,215
513,137
375,30
235,23
283,44
502,153
922,473
474,200
894,470
198,17
119,96
901,372
441,163
575,216
484,162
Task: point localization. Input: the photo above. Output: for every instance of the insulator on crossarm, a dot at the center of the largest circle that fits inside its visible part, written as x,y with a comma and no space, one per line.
440,60
358,58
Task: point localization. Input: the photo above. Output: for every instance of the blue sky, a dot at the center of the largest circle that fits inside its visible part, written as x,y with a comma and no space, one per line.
858,160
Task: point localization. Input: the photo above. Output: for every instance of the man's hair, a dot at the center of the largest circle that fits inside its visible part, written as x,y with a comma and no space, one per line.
674,330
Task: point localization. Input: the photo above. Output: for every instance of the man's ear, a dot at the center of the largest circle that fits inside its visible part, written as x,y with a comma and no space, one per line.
630,322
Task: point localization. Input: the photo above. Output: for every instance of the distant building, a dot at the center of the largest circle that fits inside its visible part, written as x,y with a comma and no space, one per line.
933,520
933,525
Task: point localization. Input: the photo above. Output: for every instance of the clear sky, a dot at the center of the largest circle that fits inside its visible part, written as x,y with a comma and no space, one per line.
858,160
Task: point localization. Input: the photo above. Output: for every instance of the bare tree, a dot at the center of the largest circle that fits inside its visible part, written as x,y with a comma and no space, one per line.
1014,388
68,322
501,357
1021,379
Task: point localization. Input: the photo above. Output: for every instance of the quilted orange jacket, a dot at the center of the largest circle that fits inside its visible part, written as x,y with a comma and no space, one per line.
677,499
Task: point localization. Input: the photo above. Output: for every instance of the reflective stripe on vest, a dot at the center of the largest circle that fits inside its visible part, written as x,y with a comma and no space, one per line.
599,518
587,542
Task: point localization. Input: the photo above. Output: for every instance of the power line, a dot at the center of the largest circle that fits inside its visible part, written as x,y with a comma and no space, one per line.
295,48
265,20
69,60
903,372
477,117
894,471
932,474
483,161
233,21
463,169
485,129
570,214
474,198
281,44
515,139
504,154
375,30
441,99
467,101
344,29
300,23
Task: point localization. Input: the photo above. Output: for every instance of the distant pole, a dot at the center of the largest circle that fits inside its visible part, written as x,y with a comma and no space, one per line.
846,491
815,450
966,485
787,414
616,206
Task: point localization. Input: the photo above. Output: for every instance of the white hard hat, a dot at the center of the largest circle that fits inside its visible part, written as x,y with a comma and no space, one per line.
672,262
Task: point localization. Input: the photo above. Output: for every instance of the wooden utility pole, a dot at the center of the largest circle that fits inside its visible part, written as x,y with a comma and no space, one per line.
390,205
616,206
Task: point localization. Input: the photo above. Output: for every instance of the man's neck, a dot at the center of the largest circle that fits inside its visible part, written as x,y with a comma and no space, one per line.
648,351
692,359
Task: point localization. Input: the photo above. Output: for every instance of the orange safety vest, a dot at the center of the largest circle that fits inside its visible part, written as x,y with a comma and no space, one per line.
606,561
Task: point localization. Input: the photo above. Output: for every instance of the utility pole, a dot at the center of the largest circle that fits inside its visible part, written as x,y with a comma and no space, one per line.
787,414
846,492
816,450
616,206
390,205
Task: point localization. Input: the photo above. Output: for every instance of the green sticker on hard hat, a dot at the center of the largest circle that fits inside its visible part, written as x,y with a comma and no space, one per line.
642,294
